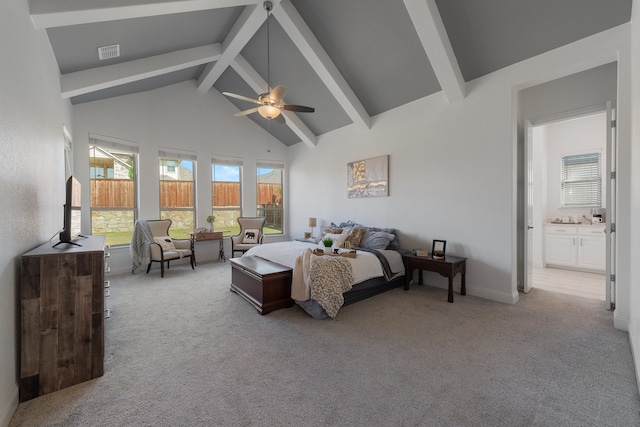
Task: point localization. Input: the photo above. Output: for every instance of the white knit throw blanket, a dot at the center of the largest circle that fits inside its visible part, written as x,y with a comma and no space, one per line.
323,279
139,246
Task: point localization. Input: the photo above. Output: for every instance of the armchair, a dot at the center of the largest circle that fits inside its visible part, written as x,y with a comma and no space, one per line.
250,235
164,248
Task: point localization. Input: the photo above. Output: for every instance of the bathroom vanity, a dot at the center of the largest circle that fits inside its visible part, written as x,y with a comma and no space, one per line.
575,246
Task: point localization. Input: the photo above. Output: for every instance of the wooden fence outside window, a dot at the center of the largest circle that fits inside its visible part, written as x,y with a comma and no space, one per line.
119,193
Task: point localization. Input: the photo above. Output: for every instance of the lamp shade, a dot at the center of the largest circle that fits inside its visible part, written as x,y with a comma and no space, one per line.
312,222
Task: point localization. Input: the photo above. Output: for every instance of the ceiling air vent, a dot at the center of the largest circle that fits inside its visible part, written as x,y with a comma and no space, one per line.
108,52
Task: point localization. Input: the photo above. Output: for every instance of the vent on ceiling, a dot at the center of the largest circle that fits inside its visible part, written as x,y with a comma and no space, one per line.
108,52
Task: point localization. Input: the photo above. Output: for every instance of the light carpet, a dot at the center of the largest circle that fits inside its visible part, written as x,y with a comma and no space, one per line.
185,351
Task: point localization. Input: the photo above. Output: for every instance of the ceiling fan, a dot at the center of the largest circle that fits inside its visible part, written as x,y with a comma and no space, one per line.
270,102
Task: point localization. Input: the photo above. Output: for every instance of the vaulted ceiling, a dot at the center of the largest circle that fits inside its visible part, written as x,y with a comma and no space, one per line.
349,59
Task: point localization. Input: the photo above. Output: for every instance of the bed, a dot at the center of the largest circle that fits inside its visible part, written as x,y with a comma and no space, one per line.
376,268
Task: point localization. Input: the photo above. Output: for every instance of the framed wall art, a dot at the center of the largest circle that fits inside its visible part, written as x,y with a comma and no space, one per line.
368,178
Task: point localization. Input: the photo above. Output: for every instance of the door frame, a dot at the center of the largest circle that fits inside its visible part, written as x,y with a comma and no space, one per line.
611,195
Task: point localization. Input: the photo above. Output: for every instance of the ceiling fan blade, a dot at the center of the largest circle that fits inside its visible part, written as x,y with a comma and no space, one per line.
298,108
277,93
246,112
244,98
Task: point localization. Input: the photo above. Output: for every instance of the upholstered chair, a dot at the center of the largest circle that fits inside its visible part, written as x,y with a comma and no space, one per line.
250,235
165,248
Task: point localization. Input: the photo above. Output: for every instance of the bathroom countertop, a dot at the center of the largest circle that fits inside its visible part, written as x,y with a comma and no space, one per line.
584,224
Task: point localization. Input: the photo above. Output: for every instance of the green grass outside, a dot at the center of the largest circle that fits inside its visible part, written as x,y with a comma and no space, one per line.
119,238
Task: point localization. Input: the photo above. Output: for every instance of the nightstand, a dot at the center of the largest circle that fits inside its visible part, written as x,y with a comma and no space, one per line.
447,267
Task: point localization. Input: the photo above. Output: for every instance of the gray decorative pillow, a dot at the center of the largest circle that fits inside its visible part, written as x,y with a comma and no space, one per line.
394,244
376,239
347,224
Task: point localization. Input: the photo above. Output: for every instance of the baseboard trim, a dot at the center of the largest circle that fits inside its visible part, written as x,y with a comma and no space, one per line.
618,323
9,408
493,295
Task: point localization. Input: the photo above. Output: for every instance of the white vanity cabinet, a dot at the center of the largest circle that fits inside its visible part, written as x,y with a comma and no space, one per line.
592,248
560,245
575,246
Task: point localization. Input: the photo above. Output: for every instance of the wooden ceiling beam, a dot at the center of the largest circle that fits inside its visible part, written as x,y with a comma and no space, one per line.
435,41
312,50
59,13
94,79
259,85
245,27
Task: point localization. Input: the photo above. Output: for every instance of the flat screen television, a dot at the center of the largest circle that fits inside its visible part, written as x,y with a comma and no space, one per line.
72,213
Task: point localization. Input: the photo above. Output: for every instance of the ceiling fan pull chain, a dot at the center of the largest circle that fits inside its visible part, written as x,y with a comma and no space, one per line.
268,6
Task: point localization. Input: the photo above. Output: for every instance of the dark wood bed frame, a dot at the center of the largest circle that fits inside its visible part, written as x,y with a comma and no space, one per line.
370,288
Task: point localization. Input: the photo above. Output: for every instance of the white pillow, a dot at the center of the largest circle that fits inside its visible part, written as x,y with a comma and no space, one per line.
165,242
338,239
251,235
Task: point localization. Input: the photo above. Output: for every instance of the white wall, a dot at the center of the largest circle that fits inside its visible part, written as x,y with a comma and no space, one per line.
449,179
180,117
32,114
634,292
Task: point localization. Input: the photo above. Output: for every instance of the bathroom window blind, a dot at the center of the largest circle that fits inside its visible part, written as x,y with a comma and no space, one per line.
582,180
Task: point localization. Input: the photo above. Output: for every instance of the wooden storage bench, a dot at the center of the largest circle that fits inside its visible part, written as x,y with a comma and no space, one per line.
265,284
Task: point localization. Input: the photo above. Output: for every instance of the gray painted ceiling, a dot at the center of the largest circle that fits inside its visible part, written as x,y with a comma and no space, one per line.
367,55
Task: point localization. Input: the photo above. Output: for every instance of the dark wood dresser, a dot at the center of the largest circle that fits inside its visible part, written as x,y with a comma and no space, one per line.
62,316
265,284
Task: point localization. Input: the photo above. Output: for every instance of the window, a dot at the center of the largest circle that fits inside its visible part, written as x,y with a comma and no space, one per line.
113,183
226,194
177,191
269,197
581,180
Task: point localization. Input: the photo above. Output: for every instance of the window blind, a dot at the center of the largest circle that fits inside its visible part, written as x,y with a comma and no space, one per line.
113,144
167,153
226,161
582,180
268,165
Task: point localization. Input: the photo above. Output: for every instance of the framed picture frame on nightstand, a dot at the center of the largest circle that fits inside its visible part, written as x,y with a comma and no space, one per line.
438,249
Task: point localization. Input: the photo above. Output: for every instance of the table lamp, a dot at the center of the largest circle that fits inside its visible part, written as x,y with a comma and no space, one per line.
312,224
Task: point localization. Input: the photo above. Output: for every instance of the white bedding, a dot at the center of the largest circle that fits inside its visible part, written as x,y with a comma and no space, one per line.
365,265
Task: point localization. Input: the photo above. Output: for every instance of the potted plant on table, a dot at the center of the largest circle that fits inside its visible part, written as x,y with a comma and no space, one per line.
327,242
210,220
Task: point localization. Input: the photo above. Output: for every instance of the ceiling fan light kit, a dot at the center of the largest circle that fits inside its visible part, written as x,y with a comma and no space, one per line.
269,111
270,105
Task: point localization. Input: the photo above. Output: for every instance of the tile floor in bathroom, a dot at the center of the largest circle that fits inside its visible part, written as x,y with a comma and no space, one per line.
579,283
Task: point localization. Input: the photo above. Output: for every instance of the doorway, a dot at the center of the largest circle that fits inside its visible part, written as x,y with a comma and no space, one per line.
567,169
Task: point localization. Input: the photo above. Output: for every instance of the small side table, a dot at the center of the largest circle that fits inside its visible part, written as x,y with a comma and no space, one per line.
447,267
211,235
